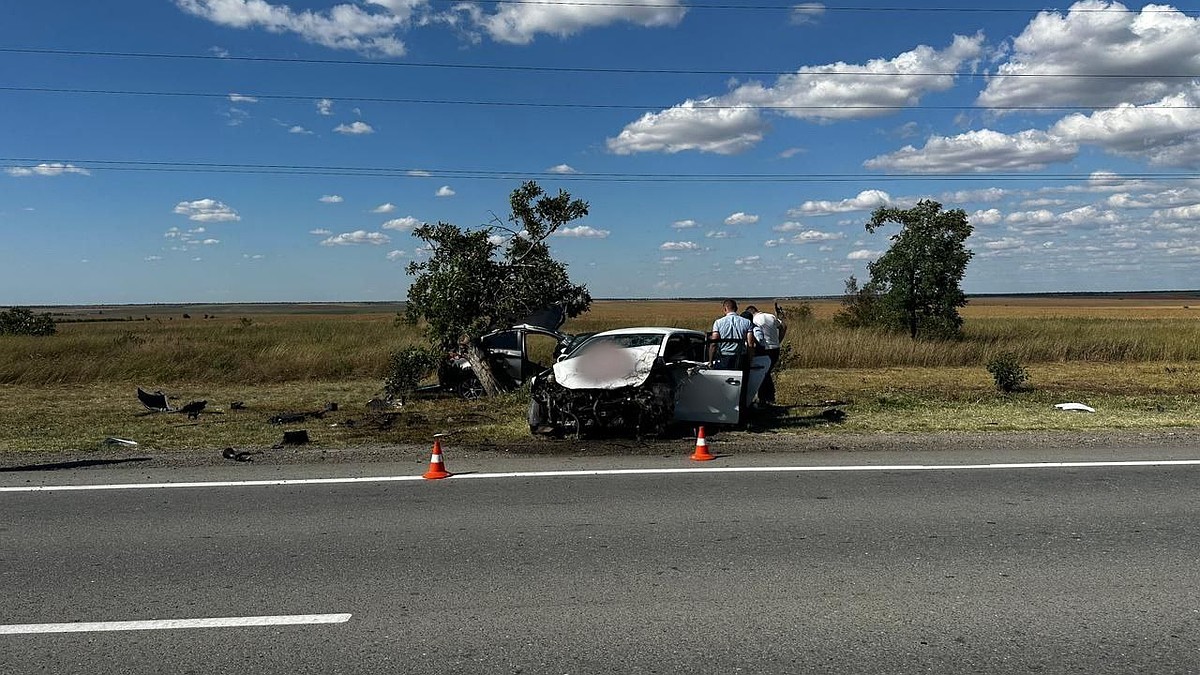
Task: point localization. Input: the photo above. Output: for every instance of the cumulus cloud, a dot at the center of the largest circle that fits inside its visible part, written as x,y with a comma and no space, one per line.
985,218
582,232
444,191
520,23
297,129
405,223
813,237
331,199
747,260
211,242
867,200
396,255
741,218
46,169
720,234
976,151
356,128
207,211
732,123
386,207
561,168
684,224
1165,133
325,107
345,26
1038,217
692,125
679,246
1004,244
357,237
1096,37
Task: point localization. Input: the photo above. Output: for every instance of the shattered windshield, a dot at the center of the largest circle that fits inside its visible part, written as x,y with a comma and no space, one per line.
623,341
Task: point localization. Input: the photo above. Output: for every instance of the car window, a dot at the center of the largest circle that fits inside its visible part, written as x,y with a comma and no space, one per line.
622,341
684,347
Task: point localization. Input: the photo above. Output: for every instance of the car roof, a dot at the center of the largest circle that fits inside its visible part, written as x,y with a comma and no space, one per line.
650,330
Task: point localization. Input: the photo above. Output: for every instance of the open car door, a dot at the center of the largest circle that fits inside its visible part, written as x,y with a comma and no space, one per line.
716,395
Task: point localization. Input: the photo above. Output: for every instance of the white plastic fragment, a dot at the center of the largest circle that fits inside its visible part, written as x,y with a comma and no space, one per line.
123,442
1075,406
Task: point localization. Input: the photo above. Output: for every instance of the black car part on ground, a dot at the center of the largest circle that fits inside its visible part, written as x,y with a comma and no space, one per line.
646,410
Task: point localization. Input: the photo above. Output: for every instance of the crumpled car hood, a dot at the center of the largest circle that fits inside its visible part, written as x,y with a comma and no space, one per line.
608,368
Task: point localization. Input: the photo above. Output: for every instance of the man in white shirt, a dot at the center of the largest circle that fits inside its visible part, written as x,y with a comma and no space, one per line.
772,331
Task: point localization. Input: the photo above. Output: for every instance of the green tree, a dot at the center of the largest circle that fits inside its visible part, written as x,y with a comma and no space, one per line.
471,284
916,285
21,321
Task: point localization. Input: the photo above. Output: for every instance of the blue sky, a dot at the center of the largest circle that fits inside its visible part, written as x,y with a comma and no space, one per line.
733,150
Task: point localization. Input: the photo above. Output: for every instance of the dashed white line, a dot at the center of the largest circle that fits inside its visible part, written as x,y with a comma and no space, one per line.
170,624
609,472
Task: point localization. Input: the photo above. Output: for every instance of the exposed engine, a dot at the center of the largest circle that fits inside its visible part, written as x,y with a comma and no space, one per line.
645,409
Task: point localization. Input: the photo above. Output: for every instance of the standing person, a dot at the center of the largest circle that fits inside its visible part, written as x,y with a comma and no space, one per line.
730,327
771,331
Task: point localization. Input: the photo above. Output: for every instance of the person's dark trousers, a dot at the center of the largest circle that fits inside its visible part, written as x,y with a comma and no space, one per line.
766,392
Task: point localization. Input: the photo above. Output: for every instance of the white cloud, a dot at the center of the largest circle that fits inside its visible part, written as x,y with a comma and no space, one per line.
405,223
418,173
814,237
1190,212
980,150
791,152
863,254
152,258
207,211
320,231
387,207
1038,217
1096,37
331,199
684,224
1005,244
561,168
46,169
867,200
343,26
731,123
520,23
669,259
241,98
211,242
297,129
789,226
985,218
396,255
325,107
807,12
357,237
747,260
679,246
741,218
1089,215
691,125
582,231
356,128
444,191
982,195
720,234
1165,133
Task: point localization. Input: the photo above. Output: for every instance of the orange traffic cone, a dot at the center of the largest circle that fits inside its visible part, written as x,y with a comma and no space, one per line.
437,469
702,454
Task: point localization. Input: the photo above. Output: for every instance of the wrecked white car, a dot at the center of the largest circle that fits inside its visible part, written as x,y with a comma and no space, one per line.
641,380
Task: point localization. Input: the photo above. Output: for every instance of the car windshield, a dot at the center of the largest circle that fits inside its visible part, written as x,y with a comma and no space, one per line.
621,341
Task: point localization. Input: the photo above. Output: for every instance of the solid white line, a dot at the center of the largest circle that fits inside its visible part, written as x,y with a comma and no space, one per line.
167,624
612,472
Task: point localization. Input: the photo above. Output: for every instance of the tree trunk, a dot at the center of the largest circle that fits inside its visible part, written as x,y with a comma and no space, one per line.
483,368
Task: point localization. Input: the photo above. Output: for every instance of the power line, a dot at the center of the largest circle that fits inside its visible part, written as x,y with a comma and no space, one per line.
564,69
490,174
234,96
816,7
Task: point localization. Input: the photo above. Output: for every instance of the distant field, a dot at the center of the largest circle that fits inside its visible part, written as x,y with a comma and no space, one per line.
1137,354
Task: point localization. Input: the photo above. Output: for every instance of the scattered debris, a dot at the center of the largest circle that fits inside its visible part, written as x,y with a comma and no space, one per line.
238,455
237,405
120,442
193,409
296,437
156,402
1075,406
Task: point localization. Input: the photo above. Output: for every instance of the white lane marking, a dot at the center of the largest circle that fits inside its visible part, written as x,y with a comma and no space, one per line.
167,624
611,472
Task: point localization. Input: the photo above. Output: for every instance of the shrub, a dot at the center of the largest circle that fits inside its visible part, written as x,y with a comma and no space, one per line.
21,321
1007,371
406,369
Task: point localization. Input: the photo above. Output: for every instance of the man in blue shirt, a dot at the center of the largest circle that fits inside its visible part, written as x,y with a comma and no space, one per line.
727,355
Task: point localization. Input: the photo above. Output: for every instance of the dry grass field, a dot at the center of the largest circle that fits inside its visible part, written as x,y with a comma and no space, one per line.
1135,358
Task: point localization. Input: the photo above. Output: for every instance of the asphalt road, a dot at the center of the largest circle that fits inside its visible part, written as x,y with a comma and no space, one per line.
1092,570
